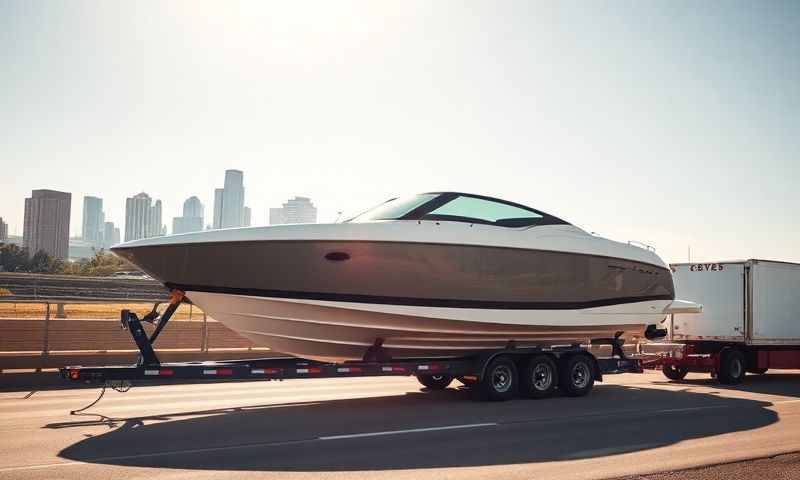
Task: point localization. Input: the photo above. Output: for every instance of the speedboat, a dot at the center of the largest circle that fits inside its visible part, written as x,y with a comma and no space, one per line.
435,274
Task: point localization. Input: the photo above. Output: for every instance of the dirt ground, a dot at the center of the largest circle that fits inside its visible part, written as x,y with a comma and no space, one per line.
108,311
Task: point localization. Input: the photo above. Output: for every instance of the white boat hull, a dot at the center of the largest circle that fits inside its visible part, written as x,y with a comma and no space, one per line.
340,331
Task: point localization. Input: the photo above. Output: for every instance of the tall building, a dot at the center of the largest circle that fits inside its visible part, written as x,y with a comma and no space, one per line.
295,210
3,231
248,214
229,201
47,222
192,219
110,235
93,220
156,228
217,220
193,207
142,217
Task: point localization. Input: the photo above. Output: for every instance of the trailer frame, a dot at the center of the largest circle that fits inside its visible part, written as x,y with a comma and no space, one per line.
433,372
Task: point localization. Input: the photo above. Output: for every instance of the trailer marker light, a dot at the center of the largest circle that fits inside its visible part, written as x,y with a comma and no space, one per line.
74,374
472,378
309,370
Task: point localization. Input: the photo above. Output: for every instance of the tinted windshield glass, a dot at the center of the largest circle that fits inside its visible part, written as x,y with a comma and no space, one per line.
394,209
465,208
459,207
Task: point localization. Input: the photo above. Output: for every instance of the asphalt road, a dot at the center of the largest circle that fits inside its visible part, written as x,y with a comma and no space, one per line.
363,428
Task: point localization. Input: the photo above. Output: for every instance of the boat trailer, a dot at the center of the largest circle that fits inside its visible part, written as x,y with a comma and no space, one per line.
434,372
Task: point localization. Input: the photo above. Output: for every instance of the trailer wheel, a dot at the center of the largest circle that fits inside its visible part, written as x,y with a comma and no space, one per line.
539,378
500,380
435,382
576,375
757,371
731,366
674,372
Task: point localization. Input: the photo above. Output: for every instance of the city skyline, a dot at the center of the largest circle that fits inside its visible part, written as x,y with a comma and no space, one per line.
674,124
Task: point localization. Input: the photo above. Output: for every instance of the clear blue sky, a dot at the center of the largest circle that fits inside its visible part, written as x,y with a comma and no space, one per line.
673,123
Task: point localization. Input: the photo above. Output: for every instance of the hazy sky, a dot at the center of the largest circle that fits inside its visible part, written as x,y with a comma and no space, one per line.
672,123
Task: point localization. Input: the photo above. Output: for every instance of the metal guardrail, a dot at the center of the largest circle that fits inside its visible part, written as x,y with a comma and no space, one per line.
74,288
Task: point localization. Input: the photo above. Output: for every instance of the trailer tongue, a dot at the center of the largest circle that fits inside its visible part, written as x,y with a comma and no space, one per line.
498,374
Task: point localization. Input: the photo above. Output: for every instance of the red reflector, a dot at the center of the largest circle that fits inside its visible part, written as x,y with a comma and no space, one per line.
224,371
166,372
398,369
314,370
272,371
73,374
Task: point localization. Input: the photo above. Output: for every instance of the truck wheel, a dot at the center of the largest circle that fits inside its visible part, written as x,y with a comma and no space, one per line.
674,372
731,366
539,378
757,371
576,375
435,382
500,381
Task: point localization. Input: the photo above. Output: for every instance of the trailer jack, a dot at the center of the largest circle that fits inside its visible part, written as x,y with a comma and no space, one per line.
131,322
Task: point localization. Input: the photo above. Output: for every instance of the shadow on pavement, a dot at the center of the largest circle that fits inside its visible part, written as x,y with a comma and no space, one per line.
287,437
777,383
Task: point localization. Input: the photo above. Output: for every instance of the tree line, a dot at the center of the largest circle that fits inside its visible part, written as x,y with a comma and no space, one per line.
14,258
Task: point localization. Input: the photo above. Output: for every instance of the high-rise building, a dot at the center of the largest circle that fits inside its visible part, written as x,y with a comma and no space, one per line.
156,228
3,231
192,219
295,210
216,222
110,235
93,220
192,207
47,222
142,217
248,214
229,201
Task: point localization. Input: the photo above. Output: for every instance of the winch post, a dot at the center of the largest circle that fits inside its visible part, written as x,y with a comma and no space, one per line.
145,345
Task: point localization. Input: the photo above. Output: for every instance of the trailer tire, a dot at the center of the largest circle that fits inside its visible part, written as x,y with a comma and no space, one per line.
757,371
731,366
674,372
539,378
435,382
576,375
500,380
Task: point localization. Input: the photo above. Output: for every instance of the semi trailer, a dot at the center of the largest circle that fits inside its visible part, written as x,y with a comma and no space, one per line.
750,321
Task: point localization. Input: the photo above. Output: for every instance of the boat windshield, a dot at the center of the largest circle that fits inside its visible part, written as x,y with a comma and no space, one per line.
458,207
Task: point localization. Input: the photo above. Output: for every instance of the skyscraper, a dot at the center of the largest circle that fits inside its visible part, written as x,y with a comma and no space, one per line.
229,201
3,231
247,217
295,210
192,219
192,207
92,220
156,227
138,217
217,220
110,235
47,222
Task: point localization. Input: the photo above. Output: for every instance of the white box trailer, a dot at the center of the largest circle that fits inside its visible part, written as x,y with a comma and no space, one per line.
750,319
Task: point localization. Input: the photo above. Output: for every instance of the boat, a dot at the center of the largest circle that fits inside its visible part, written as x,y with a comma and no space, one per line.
435,274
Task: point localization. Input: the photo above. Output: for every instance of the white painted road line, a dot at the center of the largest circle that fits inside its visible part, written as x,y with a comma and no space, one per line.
411,430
